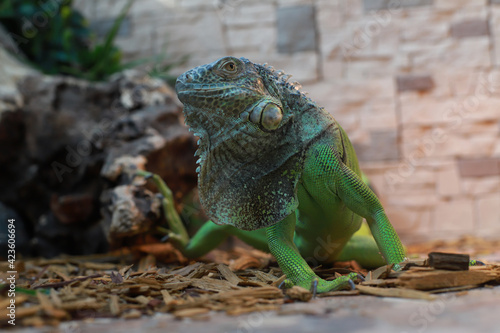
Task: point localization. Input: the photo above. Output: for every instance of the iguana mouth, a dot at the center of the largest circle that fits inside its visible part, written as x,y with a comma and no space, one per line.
184,84
186,88
186,91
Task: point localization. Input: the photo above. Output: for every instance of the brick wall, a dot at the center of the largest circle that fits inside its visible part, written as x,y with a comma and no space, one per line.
415,83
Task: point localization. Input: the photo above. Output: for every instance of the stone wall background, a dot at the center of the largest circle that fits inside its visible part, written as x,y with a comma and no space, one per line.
415,83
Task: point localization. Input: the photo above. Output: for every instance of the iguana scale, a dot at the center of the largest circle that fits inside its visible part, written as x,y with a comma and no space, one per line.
279,172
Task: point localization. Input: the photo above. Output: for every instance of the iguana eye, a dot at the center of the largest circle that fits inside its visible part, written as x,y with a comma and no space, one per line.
230,66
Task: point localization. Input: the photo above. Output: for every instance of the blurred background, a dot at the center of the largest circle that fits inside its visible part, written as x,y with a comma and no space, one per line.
85,99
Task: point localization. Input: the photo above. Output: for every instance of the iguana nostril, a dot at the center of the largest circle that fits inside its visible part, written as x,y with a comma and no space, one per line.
182,80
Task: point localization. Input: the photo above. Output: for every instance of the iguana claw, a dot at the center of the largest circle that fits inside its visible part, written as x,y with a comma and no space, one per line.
351,284
397,267
314,288
146,174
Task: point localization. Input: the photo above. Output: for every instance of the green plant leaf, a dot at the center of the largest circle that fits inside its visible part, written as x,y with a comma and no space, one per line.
62,46
6,9
106,51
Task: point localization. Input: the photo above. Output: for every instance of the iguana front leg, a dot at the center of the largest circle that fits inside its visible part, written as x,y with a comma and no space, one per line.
358,197
208,237
177,233
280,242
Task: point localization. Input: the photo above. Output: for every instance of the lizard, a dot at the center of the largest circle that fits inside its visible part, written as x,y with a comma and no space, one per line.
277,171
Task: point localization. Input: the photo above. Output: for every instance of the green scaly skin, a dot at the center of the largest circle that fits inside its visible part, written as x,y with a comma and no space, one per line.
277,171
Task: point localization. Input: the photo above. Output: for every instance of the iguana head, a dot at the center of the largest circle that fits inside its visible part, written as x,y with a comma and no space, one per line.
251,143
231,90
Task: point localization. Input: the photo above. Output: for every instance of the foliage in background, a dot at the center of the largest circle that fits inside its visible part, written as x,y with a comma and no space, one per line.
56,39
49,36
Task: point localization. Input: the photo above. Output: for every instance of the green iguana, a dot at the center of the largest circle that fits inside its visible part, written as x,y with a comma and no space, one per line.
279,172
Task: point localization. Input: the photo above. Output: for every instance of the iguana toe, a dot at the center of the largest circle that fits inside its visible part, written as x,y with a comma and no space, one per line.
319,285
146,174
287,283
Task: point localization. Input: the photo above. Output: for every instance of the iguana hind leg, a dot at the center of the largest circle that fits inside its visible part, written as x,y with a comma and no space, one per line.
364,250
210,235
